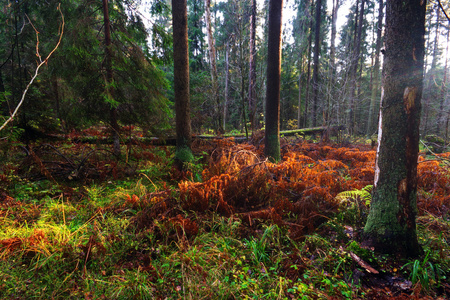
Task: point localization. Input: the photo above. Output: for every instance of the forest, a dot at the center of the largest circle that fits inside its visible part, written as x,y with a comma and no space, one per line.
224,149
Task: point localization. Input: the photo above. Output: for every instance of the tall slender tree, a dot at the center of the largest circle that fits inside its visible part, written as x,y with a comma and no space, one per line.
354,65
391,224
109,80
272,134
332,65
443,89
308,74
430,90
195,34
181,81
316,61
252,66
227,85
213,66
376,71
302,37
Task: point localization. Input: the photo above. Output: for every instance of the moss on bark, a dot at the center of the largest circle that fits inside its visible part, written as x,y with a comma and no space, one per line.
391,226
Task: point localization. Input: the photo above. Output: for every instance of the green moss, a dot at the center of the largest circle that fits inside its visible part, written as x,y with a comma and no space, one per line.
184,154
272,150
383,213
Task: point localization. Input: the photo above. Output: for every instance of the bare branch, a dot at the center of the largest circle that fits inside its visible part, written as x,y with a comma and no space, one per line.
36,72
443,10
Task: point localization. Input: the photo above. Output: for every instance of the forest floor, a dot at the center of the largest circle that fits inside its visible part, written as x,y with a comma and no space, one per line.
77,223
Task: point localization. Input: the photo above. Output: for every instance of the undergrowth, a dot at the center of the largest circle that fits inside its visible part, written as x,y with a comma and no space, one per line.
78,224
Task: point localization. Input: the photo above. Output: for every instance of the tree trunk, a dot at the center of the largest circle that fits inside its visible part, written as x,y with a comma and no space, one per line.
227,80
109,80
376,73
354,71
426,103
242,67
252,75
305,23
272,134
181,81
195,37
57,102
430,87
308,75
299,110
352,74
391,224
3,105
316,62
2,86
443,90
336,4
332,65
212,59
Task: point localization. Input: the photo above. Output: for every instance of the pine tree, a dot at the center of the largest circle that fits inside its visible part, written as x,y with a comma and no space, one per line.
181,81
272,134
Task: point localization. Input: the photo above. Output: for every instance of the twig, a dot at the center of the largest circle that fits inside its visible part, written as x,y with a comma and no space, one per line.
437,158
362,263
428,148
443,10
36,72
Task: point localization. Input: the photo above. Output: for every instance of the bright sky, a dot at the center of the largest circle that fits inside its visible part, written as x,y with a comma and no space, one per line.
289,12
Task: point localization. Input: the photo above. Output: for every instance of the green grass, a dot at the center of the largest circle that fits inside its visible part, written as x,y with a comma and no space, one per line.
90,245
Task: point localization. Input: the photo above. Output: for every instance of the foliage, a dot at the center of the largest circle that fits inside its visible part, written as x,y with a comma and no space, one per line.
425,272
247,229
70,93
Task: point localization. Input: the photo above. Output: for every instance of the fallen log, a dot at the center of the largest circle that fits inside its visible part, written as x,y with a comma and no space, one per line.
171,141
331,130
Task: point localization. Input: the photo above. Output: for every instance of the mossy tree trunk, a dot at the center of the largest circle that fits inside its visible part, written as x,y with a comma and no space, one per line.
272,134
391,225
181,81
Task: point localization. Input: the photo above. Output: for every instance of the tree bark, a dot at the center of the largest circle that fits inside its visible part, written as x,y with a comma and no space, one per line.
252,66
272,133
227,80
316,62
109,79
181,81
308,75
391,224
3,106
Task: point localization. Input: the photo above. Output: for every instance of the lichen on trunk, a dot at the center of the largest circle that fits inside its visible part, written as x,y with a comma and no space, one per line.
391,225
